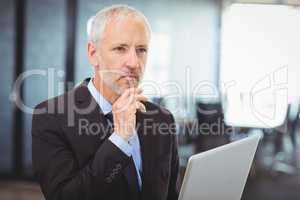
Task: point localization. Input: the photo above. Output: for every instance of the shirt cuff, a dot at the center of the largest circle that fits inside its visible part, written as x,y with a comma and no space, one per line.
121,144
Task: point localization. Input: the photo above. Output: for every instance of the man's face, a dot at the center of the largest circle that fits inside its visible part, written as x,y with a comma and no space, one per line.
122,53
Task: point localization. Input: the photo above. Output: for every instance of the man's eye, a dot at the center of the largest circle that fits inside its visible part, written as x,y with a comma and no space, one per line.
142,50
120,49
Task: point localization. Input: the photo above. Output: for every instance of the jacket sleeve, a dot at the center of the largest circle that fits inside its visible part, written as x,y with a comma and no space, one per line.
56,168
174,185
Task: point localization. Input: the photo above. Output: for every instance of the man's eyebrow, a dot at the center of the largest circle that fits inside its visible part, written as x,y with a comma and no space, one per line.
142,45
121,44
126,45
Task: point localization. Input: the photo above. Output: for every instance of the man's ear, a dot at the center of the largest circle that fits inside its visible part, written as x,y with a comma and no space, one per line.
92,54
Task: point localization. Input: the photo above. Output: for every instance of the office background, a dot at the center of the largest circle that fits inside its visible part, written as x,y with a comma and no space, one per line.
192,43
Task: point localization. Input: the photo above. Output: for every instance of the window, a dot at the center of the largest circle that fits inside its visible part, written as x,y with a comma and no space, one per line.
260,48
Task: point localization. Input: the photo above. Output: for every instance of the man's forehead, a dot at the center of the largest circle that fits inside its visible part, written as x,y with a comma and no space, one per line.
127,29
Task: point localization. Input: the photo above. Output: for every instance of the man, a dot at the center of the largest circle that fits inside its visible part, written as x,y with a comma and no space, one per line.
103,139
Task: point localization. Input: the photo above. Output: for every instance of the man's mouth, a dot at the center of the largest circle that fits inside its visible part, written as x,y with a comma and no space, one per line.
130,77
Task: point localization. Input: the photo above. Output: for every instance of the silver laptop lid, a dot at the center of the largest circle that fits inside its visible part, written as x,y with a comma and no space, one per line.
220,173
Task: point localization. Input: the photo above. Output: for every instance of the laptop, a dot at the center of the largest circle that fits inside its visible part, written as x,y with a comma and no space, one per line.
220,173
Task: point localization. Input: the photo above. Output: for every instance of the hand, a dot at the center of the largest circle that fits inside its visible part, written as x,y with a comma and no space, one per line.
124,112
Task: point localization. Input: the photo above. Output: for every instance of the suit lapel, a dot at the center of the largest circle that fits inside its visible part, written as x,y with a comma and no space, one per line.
92,112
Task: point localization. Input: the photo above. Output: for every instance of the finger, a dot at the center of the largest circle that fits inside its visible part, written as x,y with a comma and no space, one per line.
140,106
139,90
128,91
132,96
143,108
122,103
141,98
129,98
126,94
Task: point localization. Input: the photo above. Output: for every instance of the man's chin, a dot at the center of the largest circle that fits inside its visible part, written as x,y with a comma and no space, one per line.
125,87
125,84
120,87
119,90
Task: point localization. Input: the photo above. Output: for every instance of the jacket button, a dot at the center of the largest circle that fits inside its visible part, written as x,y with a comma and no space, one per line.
108,179
118,166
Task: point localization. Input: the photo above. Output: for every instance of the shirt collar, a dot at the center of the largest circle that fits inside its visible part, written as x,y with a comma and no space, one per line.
105,105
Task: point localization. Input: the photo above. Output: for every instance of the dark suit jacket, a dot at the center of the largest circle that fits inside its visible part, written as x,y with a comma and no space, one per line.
74,160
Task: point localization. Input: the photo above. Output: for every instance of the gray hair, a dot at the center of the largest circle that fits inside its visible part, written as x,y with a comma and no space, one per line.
96,24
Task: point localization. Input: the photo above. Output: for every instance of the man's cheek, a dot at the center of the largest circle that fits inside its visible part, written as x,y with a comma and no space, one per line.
113,76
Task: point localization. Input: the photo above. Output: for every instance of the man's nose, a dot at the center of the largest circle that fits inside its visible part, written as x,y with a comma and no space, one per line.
132,59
